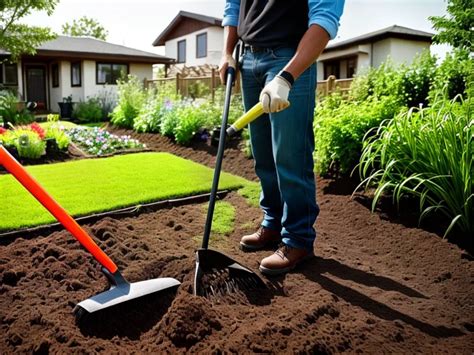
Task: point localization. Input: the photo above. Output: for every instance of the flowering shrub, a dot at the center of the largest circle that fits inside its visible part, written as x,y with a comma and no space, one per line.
97,141
27,142
38,129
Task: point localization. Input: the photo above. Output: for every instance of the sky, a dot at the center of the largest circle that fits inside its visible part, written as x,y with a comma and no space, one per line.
136,23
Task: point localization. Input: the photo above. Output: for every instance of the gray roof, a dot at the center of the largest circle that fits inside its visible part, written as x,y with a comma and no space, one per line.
92,47
394,31
213,21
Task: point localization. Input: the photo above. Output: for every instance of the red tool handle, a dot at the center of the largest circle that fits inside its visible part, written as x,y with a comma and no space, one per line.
19,172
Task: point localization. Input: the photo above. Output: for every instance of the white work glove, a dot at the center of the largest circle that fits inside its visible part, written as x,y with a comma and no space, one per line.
227,60
274,96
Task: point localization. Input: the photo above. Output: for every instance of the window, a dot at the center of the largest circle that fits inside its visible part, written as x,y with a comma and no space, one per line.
201,45
331,68
182,51
109,73
55,75
76,74
9,74
351,66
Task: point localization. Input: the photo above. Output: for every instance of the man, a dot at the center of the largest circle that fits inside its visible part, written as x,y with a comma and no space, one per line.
282,40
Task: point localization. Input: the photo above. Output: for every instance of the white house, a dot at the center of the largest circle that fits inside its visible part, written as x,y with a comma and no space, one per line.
344,59
193,39
77,66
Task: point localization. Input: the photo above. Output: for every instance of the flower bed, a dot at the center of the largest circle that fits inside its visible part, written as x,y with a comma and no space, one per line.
97,141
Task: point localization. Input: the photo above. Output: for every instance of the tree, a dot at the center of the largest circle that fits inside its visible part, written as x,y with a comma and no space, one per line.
16,38
456,29
85,26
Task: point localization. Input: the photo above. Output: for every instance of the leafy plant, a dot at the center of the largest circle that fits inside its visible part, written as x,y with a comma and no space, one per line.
189,120
26,141
52,117
131,99
10,114
88,111
339,127
417,79
61,138
426,153
108,101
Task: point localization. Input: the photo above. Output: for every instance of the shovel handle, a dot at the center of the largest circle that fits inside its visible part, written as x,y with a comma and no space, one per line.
20,173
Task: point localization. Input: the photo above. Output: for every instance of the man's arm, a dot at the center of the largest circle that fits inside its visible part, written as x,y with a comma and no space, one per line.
230,22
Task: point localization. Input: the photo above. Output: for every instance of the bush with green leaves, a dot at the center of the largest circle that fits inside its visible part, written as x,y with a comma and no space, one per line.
10,114
189,120
455,76
61,138
28,143
426,153
340,125
131,98
88,111
108,101
417,79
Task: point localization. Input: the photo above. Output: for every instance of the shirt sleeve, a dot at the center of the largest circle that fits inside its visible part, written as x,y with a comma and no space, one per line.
231,13
326,13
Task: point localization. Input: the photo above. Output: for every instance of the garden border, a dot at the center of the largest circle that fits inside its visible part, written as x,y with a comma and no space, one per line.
30,233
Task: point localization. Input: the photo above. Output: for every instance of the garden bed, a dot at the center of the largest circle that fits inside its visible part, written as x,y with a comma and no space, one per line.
376,285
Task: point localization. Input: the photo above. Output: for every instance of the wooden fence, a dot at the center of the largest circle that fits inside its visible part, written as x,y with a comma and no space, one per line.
195,86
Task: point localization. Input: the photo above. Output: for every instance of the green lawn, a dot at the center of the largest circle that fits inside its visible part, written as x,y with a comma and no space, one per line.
95,185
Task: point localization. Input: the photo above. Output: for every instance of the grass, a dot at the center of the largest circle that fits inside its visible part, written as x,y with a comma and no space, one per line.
65,124
251,192
96,185
93,124
223,223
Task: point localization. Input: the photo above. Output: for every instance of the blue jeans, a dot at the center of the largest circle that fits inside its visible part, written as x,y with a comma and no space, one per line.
282,146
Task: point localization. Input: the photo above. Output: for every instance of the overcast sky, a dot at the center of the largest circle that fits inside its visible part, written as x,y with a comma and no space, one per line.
136,23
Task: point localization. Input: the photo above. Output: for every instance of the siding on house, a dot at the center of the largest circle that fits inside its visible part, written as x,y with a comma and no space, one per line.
215,43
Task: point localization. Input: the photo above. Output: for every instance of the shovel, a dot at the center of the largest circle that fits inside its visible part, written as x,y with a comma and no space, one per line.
217,274
120,289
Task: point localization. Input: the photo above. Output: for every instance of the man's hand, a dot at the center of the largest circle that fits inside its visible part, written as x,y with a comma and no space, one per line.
274,96
226,61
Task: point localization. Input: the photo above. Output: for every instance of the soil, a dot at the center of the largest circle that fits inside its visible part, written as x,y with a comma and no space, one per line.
375,285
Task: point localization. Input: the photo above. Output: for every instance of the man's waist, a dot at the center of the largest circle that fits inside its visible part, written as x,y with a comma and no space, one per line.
259,49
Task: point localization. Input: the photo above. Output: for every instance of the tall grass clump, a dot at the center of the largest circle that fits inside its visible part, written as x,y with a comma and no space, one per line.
426,153
131,98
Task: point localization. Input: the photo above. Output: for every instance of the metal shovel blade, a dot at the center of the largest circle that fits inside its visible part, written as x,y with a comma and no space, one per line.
229,274
122,291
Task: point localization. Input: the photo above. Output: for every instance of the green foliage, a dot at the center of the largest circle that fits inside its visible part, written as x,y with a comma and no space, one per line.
170,120
131,98
27,143
16,38
190,119
251,192
10,114
340,126
198,89
224,218
88,111
52,117
455,75
61,138
426,153
456,28
247,144
417,79
85,26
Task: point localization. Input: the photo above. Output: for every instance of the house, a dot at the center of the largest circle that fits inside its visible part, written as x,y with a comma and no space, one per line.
77,66
193,39
344,59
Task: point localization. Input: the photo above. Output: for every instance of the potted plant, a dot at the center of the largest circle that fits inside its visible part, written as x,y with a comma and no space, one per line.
66,107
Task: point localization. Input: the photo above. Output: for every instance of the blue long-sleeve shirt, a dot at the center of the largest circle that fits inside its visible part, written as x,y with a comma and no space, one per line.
325,13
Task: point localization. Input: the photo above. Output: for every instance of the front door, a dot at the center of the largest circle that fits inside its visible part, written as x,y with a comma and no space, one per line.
36,85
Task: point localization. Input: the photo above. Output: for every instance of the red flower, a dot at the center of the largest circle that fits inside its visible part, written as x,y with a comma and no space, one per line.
2,130
38,129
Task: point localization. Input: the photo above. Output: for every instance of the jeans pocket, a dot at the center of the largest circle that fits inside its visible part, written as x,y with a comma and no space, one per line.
282,53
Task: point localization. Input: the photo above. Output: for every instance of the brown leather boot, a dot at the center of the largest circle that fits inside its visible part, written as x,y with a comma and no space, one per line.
283,260
260,239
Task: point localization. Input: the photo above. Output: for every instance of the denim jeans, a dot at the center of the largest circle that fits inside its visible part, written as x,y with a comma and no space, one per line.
282,146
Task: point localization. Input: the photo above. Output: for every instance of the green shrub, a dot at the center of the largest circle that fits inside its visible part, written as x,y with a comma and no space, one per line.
454,75
108,101
340,125
88,111
417,79
189,120
9,112
170,120
427,153
61,138
27,142
149,117
131,99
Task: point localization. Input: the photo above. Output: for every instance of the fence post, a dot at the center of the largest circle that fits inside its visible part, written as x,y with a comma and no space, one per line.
212,84
177,83
331,82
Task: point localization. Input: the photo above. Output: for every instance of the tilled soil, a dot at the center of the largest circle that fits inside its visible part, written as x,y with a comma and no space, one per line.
375,285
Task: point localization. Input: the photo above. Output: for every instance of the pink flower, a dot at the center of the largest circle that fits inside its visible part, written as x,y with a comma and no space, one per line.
2,130
38,129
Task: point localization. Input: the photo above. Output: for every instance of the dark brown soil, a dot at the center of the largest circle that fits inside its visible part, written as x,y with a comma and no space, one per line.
375,286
